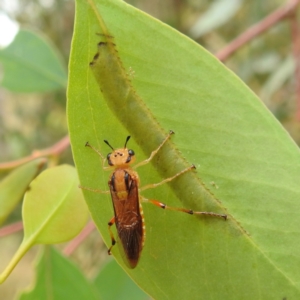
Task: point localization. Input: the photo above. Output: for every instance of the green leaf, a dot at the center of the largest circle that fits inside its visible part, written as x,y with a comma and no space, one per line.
32,64
58,278
247,165
54,211
123,287
14,185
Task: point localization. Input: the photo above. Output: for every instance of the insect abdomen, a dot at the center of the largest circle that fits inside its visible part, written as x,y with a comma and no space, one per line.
129,220
131,238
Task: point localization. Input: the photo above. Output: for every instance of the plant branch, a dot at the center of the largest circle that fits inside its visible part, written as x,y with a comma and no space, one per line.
258,28
295,32
54,150
71,247
11,228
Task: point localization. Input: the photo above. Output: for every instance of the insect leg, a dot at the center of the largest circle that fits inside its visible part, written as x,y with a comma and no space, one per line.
113,241
154,185
93,190
188,211
155,151
99,153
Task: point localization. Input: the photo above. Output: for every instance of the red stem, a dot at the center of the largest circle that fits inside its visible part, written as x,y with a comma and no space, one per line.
296,53
71,247
51,151
10,229
258,29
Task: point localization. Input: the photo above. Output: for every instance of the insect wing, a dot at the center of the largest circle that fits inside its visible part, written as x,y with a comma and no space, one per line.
130,243
129,222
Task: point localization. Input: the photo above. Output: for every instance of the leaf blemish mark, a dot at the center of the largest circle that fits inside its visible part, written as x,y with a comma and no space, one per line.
105,35
101,44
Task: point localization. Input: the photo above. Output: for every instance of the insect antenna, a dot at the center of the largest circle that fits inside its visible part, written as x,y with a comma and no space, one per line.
106,142
127,139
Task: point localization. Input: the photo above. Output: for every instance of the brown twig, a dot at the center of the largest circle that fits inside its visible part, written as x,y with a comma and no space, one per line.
71,247
296,53
258,29
68,250
10,229
51,151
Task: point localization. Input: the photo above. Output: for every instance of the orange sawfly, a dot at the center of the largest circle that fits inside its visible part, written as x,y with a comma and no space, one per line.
124,189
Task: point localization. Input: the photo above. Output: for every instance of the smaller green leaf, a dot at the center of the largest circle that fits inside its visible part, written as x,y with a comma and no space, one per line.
13,186
32,64
123,286
59,279
54,211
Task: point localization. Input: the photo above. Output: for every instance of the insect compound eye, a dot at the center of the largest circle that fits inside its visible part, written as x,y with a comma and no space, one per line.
108,159
130,152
